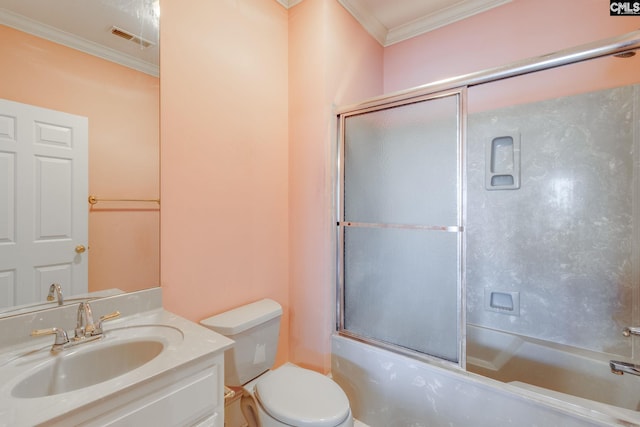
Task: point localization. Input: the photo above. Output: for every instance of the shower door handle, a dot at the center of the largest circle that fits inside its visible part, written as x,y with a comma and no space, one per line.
631,330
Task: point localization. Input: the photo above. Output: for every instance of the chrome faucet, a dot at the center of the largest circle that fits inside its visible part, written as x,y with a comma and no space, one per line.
84,321
85,327
55,292
620,368
86,330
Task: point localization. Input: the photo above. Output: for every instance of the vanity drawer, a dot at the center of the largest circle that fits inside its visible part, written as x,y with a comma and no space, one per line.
184,403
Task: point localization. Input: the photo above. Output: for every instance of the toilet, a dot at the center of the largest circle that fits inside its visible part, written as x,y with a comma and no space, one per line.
286,396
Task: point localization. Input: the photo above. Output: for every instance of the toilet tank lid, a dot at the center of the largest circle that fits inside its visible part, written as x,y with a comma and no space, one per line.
240,319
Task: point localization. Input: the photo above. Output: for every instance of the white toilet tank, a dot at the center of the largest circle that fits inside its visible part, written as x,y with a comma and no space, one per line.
254,328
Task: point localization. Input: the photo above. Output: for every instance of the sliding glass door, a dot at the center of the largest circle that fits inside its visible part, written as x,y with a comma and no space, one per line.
400,226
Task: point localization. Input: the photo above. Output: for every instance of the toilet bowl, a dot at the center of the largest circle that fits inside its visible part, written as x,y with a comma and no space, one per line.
293,396
283,397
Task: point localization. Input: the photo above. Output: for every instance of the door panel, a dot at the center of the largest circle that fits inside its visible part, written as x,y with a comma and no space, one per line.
43,214
7,198
53,198
400,227
402,288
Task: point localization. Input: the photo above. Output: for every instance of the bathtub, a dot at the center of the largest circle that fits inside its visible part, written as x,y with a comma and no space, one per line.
573,375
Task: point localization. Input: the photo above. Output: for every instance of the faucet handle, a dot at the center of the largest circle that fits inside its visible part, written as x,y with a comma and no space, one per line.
109,316
631,330
61,336
97,329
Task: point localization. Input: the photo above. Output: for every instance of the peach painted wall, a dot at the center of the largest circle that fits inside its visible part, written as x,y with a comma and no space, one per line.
343,73
332,61
517,30
224,145
123,110
247,94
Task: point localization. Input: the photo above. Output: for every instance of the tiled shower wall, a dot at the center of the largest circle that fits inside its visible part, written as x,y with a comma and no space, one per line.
563,245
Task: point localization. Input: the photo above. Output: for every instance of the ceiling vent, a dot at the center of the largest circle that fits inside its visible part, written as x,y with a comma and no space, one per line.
143,43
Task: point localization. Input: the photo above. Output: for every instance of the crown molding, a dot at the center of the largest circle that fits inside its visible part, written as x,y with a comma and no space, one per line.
288,3
37,29
388,36
357,8
370,23
440,19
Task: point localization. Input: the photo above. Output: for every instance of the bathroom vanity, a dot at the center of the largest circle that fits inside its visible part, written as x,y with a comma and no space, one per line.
149,367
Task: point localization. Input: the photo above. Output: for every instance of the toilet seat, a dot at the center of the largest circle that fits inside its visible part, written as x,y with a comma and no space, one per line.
300,397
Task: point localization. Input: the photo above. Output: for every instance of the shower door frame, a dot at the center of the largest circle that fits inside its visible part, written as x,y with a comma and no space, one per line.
461,114
598,49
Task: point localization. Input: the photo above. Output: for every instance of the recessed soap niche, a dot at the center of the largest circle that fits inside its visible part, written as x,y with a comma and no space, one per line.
502,162
502,302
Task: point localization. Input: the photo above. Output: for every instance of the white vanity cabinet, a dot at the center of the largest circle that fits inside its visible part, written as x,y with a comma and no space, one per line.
194,396
181,383
191,401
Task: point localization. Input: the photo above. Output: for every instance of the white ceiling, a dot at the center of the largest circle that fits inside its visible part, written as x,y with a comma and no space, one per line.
86,24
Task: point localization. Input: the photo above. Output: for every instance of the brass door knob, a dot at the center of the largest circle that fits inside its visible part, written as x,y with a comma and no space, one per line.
80,249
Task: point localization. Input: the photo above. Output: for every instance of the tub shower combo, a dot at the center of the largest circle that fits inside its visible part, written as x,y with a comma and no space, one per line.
491,223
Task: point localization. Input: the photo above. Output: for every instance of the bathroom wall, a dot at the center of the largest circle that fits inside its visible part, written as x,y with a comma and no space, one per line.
246,209
489,39
561,246
123,158
388,389
332,61
517,30
247,91
224,148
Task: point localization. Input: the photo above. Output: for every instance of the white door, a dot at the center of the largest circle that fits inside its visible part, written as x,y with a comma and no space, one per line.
43,202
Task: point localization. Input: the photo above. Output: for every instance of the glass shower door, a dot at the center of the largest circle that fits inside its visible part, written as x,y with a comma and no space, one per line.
400,226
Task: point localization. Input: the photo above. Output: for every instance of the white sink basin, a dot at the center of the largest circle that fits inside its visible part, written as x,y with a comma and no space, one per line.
86,367
119,352
151,367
